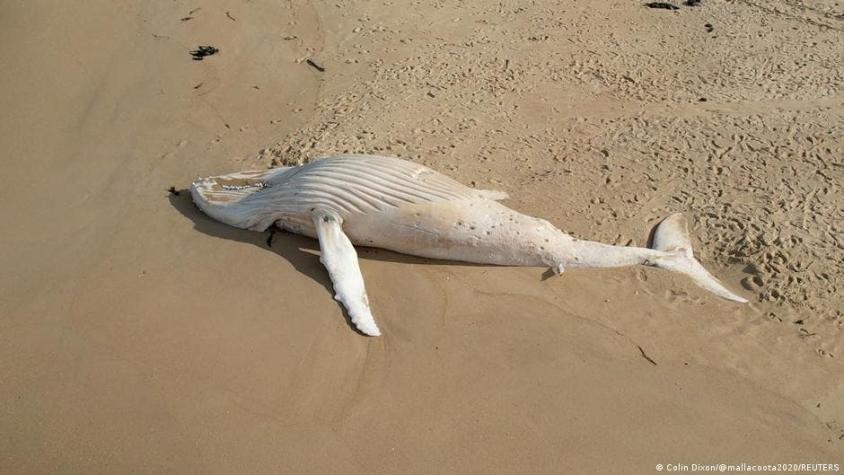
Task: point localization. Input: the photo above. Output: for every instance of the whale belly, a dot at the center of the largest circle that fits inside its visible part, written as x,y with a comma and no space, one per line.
474,230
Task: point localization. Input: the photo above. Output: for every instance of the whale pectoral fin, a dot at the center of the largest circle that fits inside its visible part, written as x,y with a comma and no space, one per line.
340,259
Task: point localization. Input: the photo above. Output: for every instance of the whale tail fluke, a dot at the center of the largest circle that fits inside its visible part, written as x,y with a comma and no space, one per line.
671,236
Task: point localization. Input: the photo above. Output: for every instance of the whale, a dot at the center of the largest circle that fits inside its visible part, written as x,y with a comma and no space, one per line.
399,205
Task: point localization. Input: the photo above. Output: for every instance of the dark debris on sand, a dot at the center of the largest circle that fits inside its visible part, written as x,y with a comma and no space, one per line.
202,51
662,5
314,65
671,6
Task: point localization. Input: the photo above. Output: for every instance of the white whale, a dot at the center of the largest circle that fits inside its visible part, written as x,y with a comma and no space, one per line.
405,207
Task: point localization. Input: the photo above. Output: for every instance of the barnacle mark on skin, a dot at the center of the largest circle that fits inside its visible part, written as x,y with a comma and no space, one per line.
259,185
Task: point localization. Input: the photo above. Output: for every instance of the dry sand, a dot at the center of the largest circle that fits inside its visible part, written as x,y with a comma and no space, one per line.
138,335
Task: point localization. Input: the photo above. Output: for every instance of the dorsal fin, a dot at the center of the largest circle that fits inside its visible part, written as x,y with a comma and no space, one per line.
493,195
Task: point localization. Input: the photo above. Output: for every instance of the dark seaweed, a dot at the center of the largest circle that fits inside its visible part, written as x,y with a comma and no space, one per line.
202,51
662,5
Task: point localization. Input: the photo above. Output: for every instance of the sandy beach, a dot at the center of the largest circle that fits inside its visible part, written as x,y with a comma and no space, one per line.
139,335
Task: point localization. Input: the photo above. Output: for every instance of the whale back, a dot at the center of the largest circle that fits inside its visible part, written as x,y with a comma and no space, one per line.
346,184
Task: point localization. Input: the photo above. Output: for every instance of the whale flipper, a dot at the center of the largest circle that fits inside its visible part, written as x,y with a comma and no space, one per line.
671,236
340,259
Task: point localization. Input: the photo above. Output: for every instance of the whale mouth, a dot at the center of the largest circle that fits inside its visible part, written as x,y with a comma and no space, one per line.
227,189
223,197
